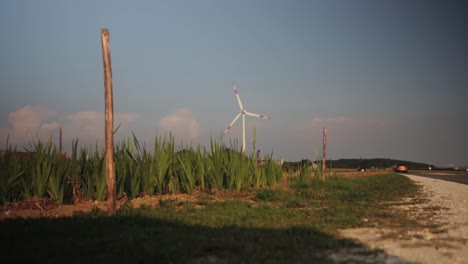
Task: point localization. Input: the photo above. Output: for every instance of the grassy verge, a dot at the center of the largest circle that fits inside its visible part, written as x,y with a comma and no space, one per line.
295,224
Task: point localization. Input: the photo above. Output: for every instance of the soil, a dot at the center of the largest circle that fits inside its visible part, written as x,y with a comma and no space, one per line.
33,208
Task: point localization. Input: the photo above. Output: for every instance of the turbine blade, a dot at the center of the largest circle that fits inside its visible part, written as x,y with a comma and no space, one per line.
257,115
232,123
237,95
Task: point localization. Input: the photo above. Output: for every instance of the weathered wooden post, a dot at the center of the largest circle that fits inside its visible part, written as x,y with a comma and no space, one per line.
324,155
60,141
109,122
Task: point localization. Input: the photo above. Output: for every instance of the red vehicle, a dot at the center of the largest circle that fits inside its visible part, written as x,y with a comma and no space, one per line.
400,168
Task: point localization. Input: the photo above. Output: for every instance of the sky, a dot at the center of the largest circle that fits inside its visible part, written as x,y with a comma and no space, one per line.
387,79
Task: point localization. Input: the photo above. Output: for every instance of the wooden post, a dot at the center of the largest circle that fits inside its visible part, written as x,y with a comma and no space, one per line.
60,141
109,125
324,155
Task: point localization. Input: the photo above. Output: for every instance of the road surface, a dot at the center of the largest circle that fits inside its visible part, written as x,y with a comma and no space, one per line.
446,176
441,237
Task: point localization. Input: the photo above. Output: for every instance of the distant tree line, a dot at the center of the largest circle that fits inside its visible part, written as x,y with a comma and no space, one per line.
360,163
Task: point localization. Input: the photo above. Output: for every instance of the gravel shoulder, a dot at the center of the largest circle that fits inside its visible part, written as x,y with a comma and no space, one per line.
442,236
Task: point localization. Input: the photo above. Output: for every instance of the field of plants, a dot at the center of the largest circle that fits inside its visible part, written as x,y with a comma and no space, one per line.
46,173
293,223
213,206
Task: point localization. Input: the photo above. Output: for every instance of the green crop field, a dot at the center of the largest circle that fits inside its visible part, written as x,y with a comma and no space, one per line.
240,211
296,223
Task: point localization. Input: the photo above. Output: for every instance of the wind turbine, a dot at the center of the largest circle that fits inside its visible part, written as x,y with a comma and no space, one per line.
243,112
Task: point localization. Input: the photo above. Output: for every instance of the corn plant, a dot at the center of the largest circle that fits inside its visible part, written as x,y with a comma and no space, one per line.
304,173
273,171
173,182
215,168
259,174
73,172
144,183
163,158
83,171
148,180
58,177
79,174
86,173
99,176
134,169
201,160
121,167
238,170
145,166
40,169
11,170
186,169
133,182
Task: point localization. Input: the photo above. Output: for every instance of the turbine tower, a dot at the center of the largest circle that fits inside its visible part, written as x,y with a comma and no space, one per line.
243,112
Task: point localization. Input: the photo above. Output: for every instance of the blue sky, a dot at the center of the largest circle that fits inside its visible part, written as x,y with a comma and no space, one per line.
388,79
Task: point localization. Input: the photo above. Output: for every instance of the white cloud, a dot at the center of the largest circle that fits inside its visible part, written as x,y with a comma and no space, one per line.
30,123
182,124
86,116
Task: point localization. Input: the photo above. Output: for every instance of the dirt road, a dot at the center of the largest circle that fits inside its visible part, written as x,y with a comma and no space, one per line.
441,238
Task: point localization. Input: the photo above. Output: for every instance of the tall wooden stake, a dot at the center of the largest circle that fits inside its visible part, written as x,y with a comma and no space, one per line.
324,155
60,141
109,126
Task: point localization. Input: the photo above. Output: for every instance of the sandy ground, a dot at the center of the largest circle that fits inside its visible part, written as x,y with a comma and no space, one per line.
442,237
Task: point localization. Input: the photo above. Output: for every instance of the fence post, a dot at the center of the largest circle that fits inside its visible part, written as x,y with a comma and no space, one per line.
60,141
324,154
109,122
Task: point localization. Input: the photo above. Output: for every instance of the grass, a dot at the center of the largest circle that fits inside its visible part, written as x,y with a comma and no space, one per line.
297,224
